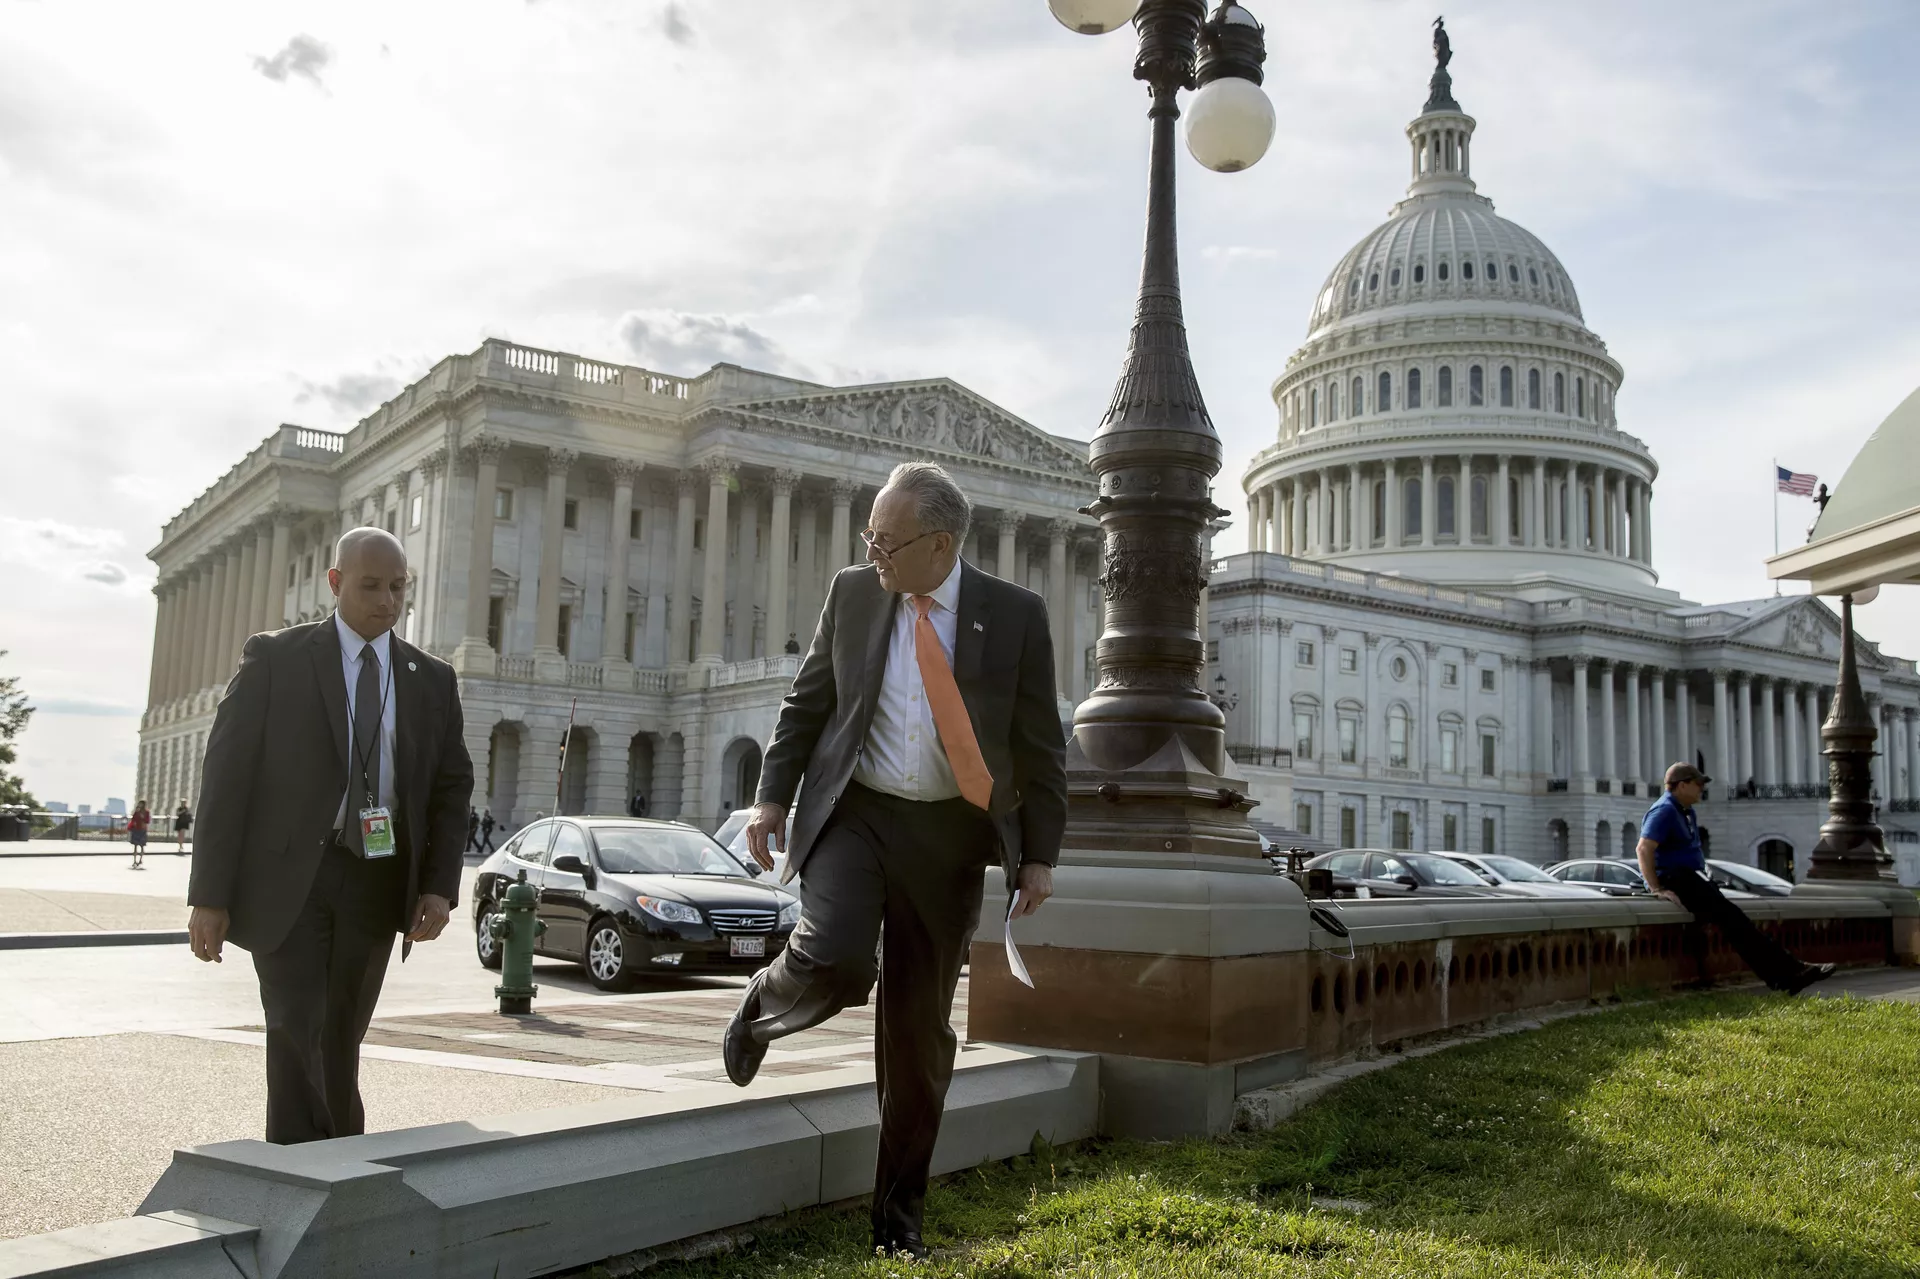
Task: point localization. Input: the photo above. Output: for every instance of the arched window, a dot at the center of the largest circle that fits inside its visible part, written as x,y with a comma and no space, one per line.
1419,272
1493,272
1443,272
1513,273
1476,386
1580,397
1477,507
1357,402
1379,505
1373,281
1443,491
1384,400
1466,269
1353,287
1559,393
1397,737
1533,388
1393,278
1506,386
1313,407
1413,388
1333,401
1446,387
1533,276
1410,507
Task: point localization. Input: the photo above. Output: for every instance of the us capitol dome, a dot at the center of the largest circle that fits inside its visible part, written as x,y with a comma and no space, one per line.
1450,415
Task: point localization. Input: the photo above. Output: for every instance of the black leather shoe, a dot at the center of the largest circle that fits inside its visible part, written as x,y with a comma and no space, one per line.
738,1049
1809,975
906,1244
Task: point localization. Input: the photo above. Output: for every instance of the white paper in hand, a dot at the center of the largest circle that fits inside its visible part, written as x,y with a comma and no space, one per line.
1014,961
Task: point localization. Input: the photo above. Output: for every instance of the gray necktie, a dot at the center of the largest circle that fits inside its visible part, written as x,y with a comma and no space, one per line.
367,714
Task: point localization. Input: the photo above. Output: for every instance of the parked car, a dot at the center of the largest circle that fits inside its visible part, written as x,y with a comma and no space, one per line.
1512,877
622,896
1611,876
1747,879
1395,874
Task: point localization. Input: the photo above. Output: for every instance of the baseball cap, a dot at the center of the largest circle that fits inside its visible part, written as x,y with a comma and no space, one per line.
1678,773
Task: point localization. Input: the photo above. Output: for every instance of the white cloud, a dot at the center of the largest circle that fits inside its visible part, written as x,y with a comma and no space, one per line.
302,56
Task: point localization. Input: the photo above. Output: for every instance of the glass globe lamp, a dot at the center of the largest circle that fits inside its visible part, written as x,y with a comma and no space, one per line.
1093,17
1229,124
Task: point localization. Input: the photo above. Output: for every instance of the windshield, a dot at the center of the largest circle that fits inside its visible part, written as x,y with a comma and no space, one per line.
660,850
1441,870
736,821
1515,869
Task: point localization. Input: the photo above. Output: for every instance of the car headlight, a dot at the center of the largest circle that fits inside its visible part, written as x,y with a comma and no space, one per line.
671,912
790,914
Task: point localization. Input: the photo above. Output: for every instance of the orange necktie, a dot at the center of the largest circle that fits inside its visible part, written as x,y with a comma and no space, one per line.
949,712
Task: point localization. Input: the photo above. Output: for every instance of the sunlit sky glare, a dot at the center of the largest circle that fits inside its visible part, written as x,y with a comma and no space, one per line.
218,217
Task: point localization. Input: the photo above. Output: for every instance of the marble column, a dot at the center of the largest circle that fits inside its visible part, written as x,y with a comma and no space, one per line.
1724,764
1502,512
1057,597
1882,753
486,478
1463,503
1791,737
1609,742
546,621
187,659
746,575
1322,513
259,593
219,605
1743,721
713,590
613,627
162,615
1634,772
1297,543
250,565
1810,724
1536,532
1256,525
665,780
1658,700
1543,718
1596,510
680,634
1910,720
806,589
1684,751
1007,553
779,559
840,528
1768,729
1582,761
1429,509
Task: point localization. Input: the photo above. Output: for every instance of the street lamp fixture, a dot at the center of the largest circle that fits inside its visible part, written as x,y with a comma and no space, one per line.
1147,766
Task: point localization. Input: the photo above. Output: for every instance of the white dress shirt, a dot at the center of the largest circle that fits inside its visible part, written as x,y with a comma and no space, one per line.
903,754
351,645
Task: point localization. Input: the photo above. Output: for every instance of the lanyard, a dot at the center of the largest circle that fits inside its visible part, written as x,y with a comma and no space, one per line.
379,724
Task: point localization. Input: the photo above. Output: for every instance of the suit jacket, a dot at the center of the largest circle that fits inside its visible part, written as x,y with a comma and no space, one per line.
1003,664
276,767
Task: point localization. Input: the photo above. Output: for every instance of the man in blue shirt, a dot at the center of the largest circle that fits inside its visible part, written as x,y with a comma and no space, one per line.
1672,860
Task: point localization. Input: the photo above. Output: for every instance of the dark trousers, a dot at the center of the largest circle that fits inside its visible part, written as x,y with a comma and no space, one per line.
908,874
1770,961
318,989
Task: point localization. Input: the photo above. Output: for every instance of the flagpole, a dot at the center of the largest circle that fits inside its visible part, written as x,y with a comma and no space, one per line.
560,786
1776,521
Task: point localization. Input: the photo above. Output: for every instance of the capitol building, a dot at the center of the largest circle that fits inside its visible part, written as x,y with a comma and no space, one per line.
1449,631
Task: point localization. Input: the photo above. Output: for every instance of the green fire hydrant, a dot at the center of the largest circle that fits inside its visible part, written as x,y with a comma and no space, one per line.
514,928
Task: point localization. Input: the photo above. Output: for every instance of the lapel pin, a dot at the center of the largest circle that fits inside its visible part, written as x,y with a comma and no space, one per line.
412,667
978,627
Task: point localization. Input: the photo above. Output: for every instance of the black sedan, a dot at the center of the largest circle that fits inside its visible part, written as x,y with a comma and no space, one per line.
1394,874
1610,875
624,896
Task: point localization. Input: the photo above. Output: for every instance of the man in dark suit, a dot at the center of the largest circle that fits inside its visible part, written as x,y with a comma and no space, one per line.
330,820
924,722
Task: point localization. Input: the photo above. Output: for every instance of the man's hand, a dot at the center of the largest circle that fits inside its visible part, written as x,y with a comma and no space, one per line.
430,915
1035,883
767,820
207,932
1667,894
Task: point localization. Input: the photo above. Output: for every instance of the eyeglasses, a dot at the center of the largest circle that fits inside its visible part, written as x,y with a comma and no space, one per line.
871,538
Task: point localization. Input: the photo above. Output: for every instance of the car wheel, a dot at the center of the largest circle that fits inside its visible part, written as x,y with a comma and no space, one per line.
485,945
606,961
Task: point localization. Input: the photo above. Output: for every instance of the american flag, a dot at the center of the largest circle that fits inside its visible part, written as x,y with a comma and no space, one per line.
1796,483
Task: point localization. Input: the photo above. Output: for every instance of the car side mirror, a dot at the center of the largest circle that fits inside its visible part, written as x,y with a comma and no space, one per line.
1408,880
568,864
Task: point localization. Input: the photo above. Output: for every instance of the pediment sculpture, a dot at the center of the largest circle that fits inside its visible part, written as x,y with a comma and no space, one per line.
934,418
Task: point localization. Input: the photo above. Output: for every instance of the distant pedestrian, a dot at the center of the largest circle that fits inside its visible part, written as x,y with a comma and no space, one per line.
793,642
1672,860
637,806
137,832
473,830
182,823
486,830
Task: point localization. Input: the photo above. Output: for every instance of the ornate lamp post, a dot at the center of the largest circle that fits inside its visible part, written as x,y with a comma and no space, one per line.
1147,766
1851,844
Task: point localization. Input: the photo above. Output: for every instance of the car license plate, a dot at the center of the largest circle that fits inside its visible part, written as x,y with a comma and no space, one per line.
749,947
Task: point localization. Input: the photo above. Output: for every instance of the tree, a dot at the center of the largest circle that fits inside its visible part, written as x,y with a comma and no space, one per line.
14,714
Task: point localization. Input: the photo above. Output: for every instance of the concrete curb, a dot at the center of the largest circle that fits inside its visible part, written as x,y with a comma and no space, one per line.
103,937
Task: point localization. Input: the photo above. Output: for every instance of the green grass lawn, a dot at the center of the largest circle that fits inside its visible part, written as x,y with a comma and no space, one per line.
1735,1135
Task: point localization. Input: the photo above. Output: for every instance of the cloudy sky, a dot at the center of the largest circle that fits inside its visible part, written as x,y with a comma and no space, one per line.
218,217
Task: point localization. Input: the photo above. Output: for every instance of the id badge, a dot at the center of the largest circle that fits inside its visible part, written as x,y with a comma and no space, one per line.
376,832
